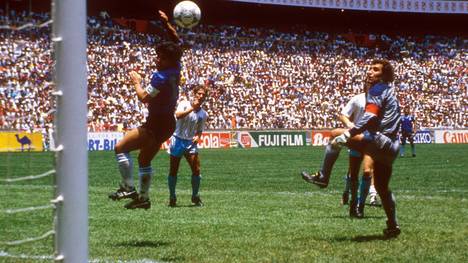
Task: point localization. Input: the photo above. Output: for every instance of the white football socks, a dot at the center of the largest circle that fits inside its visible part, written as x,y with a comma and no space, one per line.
145,174
126,169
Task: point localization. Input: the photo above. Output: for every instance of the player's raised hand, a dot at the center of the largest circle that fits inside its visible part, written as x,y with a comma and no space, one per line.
172,32
135,77
196,104
163,16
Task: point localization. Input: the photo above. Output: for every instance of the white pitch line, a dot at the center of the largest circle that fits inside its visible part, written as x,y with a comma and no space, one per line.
23,256
145,260
46,257
29,177
28,209
31,239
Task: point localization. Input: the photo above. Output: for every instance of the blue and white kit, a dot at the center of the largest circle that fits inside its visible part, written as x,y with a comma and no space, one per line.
186,129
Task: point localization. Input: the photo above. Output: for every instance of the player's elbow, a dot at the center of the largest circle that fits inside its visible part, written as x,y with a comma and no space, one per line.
342,118
179,115
144,97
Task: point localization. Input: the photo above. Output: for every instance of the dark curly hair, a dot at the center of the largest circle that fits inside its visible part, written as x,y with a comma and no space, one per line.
170,51
388,74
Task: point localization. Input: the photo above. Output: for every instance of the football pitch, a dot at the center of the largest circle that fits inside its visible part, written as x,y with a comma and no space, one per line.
257,209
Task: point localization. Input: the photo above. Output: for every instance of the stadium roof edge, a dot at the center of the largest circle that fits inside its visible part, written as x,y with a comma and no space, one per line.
405,6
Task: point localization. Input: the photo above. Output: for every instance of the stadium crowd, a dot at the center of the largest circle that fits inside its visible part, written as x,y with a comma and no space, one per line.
259,78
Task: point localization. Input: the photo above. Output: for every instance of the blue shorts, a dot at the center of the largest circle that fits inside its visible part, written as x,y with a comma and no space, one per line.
381,148
354,153
178,147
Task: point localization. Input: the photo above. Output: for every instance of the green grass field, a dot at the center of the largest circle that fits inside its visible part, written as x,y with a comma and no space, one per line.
257,209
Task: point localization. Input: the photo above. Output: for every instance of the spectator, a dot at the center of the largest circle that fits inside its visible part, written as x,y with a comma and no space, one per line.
260,78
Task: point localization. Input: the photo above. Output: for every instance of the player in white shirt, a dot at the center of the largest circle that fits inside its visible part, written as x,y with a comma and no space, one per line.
191,118
350,114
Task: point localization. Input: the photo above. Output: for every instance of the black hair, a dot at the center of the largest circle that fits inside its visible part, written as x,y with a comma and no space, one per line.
169,50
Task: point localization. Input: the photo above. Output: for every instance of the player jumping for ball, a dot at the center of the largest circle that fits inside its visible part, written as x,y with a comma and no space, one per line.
161,96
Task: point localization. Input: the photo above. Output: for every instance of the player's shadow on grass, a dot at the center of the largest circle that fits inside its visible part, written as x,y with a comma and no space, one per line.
360,239
151,244
370,238
144,243
185,206
345,216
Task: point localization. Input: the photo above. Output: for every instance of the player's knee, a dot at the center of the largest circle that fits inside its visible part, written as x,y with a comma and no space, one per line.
381,187
118,148
367,172
196,172
143,161
336,132
173,171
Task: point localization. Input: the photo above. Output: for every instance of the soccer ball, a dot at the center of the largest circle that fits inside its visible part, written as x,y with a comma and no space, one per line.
187,14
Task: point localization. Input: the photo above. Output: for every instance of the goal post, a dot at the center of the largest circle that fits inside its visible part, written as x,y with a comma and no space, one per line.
71,194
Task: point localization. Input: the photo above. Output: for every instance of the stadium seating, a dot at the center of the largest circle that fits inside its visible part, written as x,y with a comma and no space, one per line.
259,78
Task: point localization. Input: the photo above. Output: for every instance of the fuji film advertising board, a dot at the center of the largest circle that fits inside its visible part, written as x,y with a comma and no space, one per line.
279,139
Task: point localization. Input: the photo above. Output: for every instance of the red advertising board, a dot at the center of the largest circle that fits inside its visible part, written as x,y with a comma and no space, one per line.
210,140
215,140
320,137
245,140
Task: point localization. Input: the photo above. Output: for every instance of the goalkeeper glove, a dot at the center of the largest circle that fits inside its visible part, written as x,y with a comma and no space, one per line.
341,140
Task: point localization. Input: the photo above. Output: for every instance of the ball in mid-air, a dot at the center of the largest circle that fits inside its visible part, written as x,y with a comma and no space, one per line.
187,14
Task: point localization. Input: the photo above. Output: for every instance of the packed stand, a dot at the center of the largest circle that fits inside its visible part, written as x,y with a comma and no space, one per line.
259,78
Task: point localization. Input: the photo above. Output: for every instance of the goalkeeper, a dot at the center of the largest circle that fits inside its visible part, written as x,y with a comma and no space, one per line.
375,134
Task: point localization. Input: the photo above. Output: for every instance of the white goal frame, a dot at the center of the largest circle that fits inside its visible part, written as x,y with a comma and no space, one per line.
71,180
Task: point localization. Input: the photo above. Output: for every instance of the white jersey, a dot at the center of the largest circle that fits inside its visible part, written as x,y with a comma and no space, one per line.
355,107
193,123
